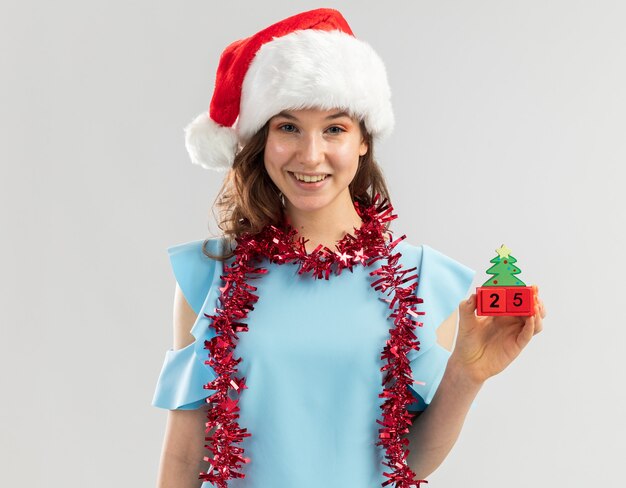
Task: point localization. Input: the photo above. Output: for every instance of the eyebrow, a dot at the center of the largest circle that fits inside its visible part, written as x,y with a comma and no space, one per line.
287,115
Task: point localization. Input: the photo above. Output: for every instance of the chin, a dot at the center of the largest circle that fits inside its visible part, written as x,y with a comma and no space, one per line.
310,204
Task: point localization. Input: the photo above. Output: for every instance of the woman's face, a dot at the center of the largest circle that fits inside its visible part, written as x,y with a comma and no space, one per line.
312,156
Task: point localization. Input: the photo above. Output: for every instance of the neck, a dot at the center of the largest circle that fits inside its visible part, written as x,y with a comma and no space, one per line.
324,226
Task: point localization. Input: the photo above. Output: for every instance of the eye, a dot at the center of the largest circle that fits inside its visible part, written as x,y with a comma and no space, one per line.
338,131
284,126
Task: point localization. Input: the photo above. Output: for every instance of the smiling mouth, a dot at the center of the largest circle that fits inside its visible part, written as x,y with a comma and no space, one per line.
308,178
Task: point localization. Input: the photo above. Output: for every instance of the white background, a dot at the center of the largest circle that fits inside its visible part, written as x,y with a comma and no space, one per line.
510,129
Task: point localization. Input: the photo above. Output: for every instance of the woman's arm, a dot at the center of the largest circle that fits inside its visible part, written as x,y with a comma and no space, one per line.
484,347
437,429
183,445
183,449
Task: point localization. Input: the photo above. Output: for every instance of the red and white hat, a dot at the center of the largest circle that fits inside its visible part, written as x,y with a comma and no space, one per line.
309,60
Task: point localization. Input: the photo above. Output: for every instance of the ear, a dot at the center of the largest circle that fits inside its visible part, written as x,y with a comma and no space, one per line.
363,148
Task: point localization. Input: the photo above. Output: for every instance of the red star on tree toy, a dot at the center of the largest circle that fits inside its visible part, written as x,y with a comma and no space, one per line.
504,293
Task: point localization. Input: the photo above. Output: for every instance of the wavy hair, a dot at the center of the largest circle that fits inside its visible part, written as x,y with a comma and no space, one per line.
249,200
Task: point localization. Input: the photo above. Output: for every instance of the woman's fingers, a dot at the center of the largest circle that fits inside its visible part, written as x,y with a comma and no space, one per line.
538,324
539,316
527,332
542,308
468,306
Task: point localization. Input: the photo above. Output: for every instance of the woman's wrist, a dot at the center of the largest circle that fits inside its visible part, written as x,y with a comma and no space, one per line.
462,376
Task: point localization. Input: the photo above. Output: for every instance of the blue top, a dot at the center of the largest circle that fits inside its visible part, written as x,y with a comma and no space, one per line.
311,403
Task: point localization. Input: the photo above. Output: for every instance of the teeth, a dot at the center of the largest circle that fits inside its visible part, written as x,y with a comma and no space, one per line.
309,179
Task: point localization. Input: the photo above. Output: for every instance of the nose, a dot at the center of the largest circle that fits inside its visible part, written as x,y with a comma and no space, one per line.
311,150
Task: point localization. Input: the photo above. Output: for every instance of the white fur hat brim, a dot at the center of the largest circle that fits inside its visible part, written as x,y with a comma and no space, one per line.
316,69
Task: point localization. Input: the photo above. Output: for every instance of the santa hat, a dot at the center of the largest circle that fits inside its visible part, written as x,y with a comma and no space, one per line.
309,60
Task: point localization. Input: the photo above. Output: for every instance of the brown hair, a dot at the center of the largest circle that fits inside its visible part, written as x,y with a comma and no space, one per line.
249,200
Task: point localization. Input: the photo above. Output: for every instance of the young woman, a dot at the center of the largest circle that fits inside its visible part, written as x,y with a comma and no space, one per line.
312,347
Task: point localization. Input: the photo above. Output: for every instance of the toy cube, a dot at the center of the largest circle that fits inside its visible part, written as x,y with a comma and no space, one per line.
520,300
517,301
491,300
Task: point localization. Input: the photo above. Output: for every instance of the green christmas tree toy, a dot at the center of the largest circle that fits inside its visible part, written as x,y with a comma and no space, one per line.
504,293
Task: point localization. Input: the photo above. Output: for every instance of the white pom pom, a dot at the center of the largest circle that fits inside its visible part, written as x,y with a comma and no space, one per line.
209,144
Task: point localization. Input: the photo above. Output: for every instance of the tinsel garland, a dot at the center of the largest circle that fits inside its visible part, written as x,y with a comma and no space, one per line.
237,298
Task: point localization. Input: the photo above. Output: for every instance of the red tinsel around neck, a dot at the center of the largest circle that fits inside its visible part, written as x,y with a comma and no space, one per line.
237,298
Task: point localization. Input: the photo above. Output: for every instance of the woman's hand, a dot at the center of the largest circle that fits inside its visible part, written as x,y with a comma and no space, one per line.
487,345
